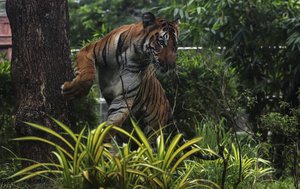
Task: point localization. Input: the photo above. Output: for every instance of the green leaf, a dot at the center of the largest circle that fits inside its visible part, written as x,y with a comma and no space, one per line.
37,173
190,2
161,146
181,13
63,161
127,134
176,10
171,149
50,131
198,10
65,128
94,137
181,148
143,138
34,166
183,183
136,172
186,155
34,138
76,160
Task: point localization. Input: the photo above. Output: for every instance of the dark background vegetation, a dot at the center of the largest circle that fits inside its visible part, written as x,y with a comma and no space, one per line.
245,78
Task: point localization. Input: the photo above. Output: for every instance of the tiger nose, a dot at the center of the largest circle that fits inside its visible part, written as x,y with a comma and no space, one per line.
170,62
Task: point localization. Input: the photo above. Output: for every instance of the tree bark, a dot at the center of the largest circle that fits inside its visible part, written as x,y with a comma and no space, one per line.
40,65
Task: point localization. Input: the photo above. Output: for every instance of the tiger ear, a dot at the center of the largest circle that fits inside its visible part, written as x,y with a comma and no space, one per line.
148,19
176,21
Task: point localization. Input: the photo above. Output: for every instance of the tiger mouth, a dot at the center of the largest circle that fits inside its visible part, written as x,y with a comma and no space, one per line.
161,67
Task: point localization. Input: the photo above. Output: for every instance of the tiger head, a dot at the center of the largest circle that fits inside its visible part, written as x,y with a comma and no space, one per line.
161,41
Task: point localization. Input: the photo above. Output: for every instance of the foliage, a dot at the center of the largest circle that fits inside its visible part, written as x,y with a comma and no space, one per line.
7,101
87,161
253,168
261,41
278,123
93,18
253,171
86,110
10,166
6,91
207,86
287,128
45,185
276,184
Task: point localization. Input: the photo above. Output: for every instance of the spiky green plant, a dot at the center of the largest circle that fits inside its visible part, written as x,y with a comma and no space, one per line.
167,170
86,161
69,155
253,168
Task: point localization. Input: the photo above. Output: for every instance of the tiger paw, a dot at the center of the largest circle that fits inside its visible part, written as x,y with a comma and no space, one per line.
67,90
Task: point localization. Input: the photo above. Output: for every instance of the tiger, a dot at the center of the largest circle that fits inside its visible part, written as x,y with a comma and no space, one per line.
125,59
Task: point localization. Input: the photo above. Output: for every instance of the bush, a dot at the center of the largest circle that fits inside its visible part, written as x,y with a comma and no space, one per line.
207,87
238,168
280,124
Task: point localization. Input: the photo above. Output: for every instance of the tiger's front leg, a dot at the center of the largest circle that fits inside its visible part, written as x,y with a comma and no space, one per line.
120,91
118,112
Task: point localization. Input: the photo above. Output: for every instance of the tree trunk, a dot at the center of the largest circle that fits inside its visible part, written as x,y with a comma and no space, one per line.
40,65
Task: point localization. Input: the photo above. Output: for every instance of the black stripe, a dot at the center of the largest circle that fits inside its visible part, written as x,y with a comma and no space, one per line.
137,68
150,114
120,45
132,90
121,42
95,56
154,117
153,101
125,62
136,51
104,53
117,109
143,41
142,93
146,91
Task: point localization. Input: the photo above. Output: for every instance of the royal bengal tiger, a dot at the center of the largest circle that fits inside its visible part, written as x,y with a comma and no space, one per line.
127,82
